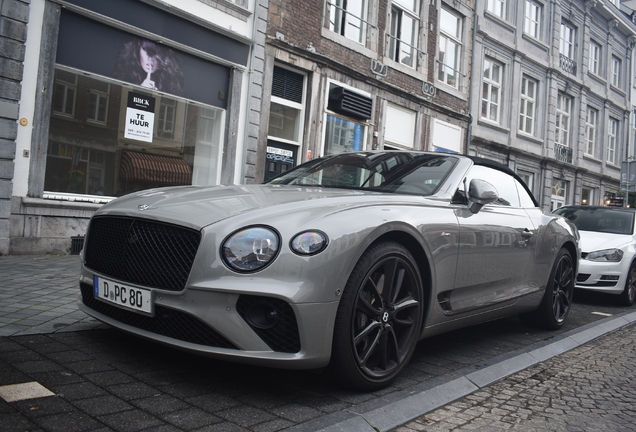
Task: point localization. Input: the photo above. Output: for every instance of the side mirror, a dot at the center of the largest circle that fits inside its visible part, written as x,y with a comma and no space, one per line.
480,193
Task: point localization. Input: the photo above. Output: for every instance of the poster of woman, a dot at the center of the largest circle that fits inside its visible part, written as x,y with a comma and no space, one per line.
150,65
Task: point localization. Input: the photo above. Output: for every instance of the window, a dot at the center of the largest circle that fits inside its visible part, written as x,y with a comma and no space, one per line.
566,45
287,105
165,122
400,127
528,105
497,7
532,19
591,119
107,160
616,71
587,196
564,107
450,26
64,93
491,90
403,33
595,56
559,192
527,177
611,141
346,18
343,135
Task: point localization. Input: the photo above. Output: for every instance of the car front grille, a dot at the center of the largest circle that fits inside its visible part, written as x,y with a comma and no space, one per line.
281,335
141,252
166,322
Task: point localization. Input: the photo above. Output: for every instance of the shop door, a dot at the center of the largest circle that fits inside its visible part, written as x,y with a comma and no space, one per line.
280,158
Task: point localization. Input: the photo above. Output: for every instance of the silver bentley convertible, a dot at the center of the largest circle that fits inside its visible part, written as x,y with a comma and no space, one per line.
342,263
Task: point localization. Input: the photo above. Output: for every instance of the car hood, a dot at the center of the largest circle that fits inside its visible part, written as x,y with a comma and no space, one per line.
199,206
594,241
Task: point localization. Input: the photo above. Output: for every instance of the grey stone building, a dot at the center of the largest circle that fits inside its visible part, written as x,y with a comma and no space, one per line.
102,98
551,88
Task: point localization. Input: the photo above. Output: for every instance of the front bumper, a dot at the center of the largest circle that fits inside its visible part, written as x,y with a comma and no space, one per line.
607,277
210,322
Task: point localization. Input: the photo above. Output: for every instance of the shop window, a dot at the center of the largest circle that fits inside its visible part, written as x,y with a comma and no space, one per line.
174,141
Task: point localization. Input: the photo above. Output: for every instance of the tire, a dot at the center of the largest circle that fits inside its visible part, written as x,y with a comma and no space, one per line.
557,299
628,296
378,323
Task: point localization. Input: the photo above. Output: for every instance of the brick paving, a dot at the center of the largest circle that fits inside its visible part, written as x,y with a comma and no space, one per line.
591,388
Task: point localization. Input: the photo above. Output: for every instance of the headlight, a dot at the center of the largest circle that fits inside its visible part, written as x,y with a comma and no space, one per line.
250,249
606,255
309,242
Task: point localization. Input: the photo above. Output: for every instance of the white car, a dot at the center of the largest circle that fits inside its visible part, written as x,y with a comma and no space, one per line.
608,249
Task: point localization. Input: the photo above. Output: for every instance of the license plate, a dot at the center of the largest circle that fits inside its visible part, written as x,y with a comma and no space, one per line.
139,299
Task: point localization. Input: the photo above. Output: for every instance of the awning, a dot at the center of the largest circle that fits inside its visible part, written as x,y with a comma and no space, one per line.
153,168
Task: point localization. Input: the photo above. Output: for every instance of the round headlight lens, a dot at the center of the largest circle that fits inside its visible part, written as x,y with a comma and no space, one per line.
250,249
309,242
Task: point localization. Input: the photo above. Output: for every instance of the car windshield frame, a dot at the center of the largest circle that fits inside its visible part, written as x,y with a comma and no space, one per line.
600,219
388,172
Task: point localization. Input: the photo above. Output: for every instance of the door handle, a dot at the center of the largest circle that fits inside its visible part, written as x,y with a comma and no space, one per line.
526,234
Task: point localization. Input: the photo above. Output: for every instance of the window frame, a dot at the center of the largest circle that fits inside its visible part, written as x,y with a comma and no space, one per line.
612,138
497,8
532,22
594,63
66,85
590,130
524,100
398,11
93,116
565,42
339,10
616,66
442,75
563,112
489,84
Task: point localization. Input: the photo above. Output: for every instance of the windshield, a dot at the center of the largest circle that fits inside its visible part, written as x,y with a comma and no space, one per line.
393,172
606,220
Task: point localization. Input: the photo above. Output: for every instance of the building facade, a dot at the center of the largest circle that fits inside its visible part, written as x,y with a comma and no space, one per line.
100,99
364,75
554,82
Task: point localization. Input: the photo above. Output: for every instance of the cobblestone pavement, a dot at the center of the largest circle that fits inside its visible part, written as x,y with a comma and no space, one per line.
87,376
591,388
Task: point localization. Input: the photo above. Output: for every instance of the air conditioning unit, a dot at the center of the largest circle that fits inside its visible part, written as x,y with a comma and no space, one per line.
349,103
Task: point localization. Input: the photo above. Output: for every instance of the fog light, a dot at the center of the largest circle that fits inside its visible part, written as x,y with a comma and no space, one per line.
261,315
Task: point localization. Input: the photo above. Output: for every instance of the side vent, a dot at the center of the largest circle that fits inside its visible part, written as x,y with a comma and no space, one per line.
350,103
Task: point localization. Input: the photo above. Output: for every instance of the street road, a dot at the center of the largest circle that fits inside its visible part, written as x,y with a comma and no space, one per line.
105,378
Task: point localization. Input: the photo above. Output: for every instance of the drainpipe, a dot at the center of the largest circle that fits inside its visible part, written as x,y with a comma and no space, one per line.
469,132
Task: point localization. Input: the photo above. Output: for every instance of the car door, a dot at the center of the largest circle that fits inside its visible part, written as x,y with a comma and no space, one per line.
495,249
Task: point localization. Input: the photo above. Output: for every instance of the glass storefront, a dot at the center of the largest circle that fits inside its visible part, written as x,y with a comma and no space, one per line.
91,152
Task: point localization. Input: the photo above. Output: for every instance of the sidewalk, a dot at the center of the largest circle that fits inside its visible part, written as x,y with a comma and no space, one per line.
38,294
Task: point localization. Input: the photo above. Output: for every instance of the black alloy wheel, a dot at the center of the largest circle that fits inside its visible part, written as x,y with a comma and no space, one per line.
562,287
379,318
557,299
628,296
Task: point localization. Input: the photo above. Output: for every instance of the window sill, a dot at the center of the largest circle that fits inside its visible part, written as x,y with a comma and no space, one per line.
500,21
591,158
527,137
535,42
415,73
492,125
348,43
